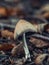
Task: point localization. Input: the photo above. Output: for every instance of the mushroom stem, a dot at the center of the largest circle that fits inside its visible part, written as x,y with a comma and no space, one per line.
27,53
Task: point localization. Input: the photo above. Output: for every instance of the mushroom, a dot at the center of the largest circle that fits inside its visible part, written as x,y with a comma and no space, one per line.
21,27
24,26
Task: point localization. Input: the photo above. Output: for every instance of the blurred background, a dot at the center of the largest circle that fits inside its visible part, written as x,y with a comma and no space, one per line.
23,8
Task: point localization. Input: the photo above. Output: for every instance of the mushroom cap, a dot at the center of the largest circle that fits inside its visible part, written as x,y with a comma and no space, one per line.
23,26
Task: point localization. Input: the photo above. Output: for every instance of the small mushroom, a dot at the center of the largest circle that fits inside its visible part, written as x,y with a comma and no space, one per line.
25,26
